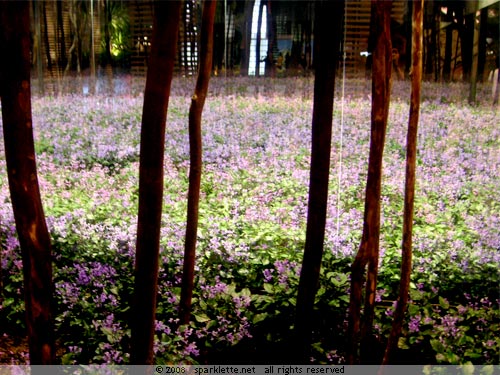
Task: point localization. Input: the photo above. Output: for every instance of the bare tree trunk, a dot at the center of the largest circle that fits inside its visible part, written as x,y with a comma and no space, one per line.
46,39
108,17
156,97
246,37
195,167
258,40
74,50
327,36
38,42
447,54
23,181
228,44
368,252
411,156
60,36
272,42
475,56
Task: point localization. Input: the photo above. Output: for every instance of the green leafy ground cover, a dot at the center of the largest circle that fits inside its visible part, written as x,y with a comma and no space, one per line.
252,226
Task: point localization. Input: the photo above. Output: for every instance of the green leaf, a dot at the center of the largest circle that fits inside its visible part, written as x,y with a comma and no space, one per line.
203,304
344,298
268,288
471,354
452,357
437,346
402,343
440,357
443,303
201,318
416,295
259,318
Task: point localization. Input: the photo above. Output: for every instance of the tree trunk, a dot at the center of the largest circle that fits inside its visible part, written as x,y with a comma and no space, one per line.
156,97
483,28
74,50
327,36
246,37
108,17
258,41
447,53
228,43
411,156
37,7
23,181
46,38
466,30
195,146
60,36
474,57
368,252
430,40
272,41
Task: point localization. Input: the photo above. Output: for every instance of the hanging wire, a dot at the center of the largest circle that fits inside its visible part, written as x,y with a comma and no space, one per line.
341,141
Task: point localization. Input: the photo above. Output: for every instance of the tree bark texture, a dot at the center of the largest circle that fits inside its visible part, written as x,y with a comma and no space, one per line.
195,147
23,181
411,157
368,253
328,33
156,97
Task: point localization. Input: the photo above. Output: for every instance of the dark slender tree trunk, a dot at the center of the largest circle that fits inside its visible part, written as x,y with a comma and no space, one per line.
37,7
195,147
184,41
466,30
437,41
61,37
271,33
229,63
246,37
430,40
411,157
475,57
328,31
193,62
258,41
46,38
156,97
220,57
23,181
482,44
108,17
447,54
371,47
367,256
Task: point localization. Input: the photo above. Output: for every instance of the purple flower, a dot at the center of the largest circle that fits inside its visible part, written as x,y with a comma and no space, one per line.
378,295
448,323
268,275
489,343
414,323
191,350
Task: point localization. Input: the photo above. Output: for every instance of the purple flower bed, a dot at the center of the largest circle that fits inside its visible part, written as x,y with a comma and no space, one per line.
252,224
